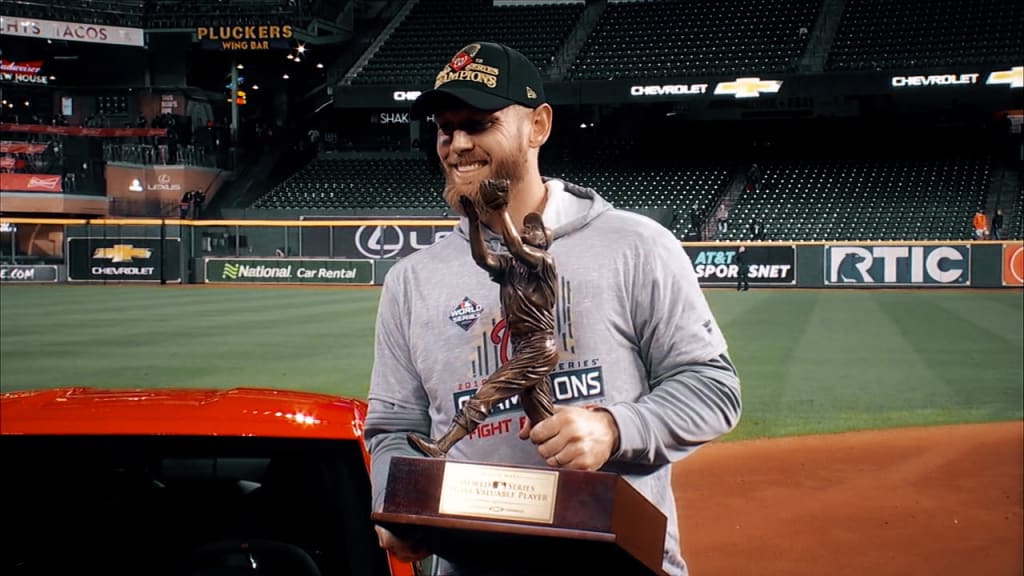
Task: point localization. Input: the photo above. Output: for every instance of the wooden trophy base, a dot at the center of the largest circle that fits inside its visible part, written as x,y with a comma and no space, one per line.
530,520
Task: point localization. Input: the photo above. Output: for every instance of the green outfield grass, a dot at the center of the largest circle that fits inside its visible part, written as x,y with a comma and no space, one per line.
810,361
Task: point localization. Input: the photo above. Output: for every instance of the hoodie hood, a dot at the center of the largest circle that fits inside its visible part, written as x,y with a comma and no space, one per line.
569,207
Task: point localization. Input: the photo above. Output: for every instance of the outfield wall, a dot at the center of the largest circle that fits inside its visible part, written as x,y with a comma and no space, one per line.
361,251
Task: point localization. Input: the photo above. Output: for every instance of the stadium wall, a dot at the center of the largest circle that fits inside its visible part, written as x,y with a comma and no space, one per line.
360,252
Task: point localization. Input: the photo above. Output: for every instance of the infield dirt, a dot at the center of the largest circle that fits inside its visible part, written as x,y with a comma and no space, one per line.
929,501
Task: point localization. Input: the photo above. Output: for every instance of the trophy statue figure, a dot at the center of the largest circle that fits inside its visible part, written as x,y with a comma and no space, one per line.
529,288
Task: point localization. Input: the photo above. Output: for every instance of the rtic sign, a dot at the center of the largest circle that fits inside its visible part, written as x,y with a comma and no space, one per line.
26,274
898,265
765,264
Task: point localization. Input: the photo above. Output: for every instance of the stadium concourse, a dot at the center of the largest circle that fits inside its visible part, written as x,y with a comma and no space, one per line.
844,142
864,123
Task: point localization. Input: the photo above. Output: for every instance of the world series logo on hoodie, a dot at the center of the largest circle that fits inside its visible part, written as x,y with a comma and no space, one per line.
466,313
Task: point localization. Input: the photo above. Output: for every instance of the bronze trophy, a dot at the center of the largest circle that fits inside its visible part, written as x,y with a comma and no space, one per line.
472,514
529,290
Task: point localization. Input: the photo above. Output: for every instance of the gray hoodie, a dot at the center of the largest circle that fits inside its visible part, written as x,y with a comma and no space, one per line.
636,338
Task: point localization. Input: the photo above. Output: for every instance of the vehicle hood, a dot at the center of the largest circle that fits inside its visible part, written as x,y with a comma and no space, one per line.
201,412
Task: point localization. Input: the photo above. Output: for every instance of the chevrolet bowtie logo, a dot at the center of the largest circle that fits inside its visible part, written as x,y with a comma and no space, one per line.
1014,77
748,87
122,253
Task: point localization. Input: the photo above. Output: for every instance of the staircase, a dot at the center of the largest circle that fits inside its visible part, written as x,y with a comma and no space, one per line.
577,38
822,34
732,193
377,43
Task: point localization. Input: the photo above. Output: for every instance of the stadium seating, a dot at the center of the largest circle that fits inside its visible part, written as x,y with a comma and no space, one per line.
883,34
400,183
666,38
822,200
434,28
157,14
113,12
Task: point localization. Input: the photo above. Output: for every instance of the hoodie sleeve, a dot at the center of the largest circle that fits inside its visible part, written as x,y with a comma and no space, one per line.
397,402
694,387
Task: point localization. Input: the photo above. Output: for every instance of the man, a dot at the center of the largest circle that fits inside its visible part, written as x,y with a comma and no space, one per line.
185,204
979,224
631,319
997,224
756,229
742,270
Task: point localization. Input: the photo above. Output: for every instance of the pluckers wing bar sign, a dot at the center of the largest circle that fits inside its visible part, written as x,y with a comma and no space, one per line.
244,38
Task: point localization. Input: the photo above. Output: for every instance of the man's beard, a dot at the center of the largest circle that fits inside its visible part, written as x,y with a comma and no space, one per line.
511,168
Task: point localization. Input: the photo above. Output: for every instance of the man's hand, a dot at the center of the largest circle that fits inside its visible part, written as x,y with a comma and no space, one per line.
404,550
494,194
575,438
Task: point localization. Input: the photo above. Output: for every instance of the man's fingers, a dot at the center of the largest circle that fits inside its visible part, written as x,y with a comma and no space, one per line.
403,550
575,438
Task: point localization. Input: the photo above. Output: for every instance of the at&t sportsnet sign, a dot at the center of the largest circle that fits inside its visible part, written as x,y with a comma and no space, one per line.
716,266
288,271
932,265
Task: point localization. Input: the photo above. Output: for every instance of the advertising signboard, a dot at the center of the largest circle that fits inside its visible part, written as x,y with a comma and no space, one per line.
22,274
898,265
288,271
770,265
123,259
1013,264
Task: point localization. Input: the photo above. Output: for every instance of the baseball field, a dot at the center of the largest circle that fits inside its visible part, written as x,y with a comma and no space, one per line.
881,431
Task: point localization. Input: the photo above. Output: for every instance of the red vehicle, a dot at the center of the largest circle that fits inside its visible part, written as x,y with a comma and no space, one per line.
176,482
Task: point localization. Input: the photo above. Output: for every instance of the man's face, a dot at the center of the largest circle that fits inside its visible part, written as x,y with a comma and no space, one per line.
473,145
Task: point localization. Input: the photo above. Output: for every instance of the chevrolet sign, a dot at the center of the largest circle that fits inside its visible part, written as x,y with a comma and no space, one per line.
668,89
1014,77
748,87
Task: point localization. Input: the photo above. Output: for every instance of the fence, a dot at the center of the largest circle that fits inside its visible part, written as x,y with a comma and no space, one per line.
361,250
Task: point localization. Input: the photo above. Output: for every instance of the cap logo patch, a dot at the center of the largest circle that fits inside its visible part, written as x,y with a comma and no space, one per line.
530,93
459,61
464,57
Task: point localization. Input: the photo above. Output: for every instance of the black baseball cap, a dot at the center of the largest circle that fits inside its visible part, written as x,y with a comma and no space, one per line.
486,76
